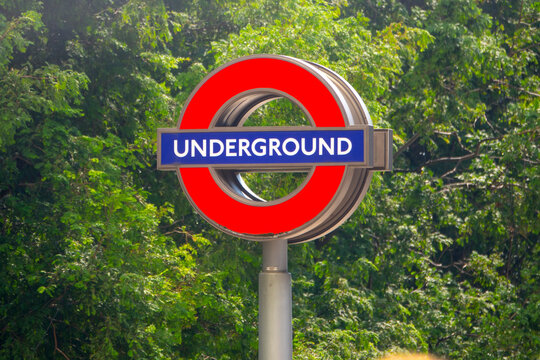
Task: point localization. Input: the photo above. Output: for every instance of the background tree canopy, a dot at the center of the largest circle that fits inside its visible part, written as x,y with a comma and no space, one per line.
104,258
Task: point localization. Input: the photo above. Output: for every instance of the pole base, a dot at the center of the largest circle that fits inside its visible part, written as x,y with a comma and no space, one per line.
275,316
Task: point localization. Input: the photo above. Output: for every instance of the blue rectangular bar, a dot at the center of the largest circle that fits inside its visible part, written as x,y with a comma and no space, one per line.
192,148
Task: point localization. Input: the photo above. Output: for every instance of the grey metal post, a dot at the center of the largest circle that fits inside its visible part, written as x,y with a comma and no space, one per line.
275,303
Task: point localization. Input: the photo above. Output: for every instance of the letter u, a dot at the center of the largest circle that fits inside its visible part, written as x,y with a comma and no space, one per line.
313,146
186,148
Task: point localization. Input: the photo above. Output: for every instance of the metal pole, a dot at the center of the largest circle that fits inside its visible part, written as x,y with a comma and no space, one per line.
275,303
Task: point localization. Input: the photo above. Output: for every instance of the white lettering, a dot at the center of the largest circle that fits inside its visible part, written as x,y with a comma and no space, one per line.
291,146
230,146
274,147
195,146
243,145
313,146
342,140
329,148
261,151
218,142
296,146
186,148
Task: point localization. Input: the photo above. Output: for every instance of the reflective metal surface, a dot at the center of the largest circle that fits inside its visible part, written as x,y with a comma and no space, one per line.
355,180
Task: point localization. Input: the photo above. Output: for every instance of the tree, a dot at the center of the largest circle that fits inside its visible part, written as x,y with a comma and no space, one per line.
104,258
87,271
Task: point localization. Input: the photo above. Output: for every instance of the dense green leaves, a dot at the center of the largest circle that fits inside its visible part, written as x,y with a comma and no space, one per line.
103,257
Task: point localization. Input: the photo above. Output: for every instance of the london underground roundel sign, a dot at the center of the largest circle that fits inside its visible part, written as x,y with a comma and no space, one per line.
210,149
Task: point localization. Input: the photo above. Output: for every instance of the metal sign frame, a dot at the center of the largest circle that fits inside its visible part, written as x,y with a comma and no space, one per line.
367,141
224,100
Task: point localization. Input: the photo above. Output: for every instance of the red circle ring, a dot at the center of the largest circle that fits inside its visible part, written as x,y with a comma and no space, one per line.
319,206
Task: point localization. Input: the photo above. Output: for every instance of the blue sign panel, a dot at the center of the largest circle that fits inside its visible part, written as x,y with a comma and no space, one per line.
192,148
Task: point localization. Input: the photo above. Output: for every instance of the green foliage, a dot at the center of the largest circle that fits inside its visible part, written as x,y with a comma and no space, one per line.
103,257
314,31
28,89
